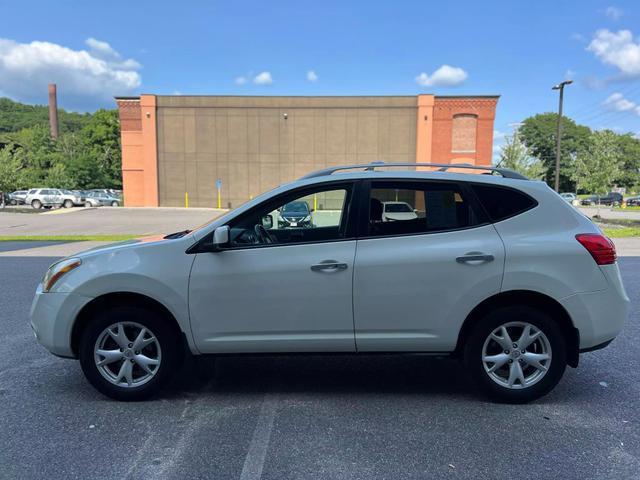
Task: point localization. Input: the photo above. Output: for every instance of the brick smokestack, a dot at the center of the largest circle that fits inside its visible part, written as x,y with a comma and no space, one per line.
53,110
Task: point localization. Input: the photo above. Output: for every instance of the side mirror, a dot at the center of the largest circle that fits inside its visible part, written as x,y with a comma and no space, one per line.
311,210
267,222
221,237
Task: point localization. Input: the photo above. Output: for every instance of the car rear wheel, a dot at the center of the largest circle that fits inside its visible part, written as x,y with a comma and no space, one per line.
67,204
88,204
37,204
114,204
516,354
129,353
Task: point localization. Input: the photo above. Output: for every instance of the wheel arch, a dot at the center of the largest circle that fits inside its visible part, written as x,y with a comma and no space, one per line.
525,298
121,298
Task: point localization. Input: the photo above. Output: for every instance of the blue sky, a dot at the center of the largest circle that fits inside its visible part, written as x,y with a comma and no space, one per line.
517,49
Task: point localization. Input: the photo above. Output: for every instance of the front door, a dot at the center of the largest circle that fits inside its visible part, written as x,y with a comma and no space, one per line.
285,282
419,273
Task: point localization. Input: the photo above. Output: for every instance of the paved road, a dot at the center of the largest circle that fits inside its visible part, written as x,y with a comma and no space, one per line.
312,417
105,221
608,213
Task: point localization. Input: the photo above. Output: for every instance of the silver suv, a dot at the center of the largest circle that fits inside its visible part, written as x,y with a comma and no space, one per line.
51,197
496,270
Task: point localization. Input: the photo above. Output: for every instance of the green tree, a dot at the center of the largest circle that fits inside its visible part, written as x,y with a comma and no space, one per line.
538,133
515,155
11,169
599,165
630,170
101,137
15,116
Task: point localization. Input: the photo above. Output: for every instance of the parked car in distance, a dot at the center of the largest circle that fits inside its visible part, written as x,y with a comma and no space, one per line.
499,272
568,197
295,214
633,201
397,211
17,197
610,199
51,197
100,198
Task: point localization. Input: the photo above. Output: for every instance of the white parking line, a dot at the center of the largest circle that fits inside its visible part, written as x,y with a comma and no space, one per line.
254,461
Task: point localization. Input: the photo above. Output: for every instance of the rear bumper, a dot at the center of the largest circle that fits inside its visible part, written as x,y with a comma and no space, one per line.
599,316
52,317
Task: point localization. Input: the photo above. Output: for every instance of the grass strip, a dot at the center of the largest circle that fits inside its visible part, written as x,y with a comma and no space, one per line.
622,232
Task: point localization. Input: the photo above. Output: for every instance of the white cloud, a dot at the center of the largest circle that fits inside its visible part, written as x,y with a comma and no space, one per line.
569,74
240,80
101,47
618,103
614,13
86,79
445,76
263,78
311,76
618,50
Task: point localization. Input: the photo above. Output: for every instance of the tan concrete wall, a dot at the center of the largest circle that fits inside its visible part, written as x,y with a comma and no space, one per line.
249,144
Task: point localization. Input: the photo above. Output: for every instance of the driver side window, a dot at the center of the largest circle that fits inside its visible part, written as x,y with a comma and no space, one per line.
302,217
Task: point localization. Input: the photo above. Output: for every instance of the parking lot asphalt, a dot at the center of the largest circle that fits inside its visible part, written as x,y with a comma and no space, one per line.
311,417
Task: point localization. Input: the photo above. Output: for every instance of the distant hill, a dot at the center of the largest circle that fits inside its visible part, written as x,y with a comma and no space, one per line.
15,116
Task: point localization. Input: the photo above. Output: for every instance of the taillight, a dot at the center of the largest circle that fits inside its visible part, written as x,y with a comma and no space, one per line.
600,247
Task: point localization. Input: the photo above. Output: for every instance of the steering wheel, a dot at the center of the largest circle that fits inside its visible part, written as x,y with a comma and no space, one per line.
262,234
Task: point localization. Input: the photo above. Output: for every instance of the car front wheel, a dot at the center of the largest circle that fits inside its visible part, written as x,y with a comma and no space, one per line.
114,204
129,353
516,354
67,204
37,204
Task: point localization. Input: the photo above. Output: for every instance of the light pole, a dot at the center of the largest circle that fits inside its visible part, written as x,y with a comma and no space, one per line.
560,87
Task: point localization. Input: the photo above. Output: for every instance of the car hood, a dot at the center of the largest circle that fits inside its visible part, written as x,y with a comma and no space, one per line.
140,242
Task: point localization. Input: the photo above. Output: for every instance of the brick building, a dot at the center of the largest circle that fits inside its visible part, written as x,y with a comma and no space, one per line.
172,145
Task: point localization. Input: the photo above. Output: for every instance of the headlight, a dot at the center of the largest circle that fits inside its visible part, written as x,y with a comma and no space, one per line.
57,270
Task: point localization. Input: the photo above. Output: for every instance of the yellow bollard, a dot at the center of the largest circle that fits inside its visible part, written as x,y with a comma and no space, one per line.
219,199
186,199
315,203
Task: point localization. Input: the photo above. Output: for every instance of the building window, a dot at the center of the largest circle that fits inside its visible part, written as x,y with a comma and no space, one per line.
463,135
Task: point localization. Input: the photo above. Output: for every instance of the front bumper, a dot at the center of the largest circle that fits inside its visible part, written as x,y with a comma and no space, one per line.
52,316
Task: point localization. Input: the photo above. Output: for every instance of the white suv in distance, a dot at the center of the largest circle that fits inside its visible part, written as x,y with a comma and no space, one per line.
51,197
496,270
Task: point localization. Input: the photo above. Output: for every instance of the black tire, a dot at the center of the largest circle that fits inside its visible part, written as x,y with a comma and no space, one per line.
164,332
36,204
67,204
87,205
114,204
493,320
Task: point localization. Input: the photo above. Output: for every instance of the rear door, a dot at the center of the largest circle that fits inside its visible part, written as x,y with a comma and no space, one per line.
416,280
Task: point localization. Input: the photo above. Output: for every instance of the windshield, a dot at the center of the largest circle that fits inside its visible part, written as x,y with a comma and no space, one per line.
397,208
295,207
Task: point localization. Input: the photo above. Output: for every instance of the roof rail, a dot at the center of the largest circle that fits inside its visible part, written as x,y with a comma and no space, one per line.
442,167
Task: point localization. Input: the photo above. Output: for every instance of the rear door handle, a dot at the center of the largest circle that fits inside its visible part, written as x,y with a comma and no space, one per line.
475,257
328,265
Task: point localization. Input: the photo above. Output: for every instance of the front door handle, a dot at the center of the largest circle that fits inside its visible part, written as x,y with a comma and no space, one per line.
475,257
328,265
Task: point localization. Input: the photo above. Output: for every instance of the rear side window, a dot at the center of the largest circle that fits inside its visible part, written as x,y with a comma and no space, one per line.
501,203
410,208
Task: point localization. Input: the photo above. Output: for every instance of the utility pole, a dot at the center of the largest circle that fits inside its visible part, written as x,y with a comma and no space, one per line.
560,87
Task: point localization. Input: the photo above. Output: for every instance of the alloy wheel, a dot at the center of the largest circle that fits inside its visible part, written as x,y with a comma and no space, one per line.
516,355
127,354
